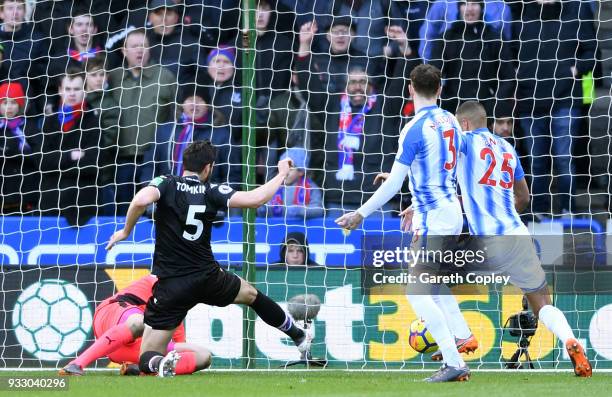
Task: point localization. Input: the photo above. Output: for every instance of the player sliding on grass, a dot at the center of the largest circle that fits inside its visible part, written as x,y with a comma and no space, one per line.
118,325
183,260
428,153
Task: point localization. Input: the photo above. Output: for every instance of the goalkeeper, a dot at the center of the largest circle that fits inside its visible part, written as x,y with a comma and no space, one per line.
118,327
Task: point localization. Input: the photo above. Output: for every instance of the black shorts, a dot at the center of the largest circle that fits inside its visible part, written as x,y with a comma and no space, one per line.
173,297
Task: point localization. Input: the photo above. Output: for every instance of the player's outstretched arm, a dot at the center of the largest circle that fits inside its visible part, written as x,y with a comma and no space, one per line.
145,197
257,197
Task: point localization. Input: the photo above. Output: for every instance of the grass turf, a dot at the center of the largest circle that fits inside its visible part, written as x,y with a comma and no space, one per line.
324,383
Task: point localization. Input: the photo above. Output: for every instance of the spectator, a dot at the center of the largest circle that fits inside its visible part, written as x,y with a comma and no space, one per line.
203,19
273,57
338,55
503,122
397,95
354,144
224,87
295,251
25,50
53,17
399,45
68,151
273,54
196,123
410,16
369,19
102,101
79,46
300,197
475,63
212,21
172,46
17,180
224,91
96,86
403,58
295,13
549,92
292,120
146,94
442,13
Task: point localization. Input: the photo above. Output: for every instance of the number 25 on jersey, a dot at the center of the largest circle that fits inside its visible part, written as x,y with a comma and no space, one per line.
487,154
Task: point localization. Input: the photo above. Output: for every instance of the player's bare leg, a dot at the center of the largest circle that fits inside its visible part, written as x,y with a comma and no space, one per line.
272,314
111,340
555,321
153,357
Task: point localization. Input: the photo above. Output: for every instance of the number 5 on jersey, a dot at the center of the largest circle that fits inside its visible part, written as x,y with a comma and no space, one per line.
193,221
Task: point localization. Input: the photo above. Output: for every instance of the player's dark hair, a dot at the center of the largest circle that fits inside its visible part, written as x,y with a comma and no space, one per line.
426,80
198,155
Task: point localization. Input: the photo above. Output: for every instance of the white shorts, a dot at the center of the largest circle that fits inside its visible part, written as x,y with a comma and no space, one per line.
437,229
446,220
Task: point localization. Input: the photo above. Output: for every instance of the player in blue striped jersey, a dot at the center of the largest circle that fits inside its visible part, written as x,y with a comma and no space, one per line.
490,174
493,191
428,155
428,146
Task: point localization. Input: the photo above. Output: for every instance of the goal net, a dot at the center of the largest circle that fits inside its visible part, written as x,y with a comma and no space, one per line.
99,98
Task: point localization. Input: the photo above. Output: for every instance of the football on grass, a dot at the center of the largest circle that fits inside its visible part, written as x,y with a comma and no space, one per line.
420,339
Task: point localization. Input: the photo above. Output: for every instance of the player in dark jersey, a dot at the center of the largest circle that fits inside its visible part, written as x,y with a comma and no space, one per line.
183,260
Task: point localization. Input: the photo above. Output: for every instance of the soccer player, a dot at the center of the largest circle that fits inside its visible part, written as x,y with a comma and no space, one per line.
494,191
183,260
428,154
118,325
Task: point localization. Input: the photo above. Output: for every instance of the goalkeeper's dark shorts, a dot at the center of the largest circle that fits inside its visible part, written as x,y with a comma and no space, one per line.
173,297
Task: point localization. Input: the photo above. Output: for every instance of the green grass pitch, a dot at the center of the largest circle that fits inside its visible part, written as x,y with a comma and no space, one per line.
325,383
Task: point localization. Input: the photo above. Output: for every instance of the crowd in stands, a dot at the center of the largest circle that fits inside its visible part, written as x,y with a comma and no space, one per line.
98,97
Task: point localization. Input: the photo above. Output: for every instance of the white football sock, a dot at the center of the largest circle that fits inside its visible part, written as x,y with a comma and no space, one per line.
425,307
449,306
555,321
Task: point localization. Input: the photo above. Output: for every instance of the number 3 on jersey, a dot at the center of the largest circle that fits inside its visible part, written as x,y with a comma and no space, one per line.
450,135
488,154
193,221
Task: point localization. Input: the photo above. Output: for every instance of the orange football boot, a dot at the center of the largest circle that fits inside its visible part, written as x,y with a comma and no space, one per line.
468,345
582,366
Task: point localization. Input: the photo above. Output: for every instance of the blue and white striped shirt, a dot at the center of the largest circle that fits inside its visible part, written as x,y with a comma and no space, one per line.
488,167
429,146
